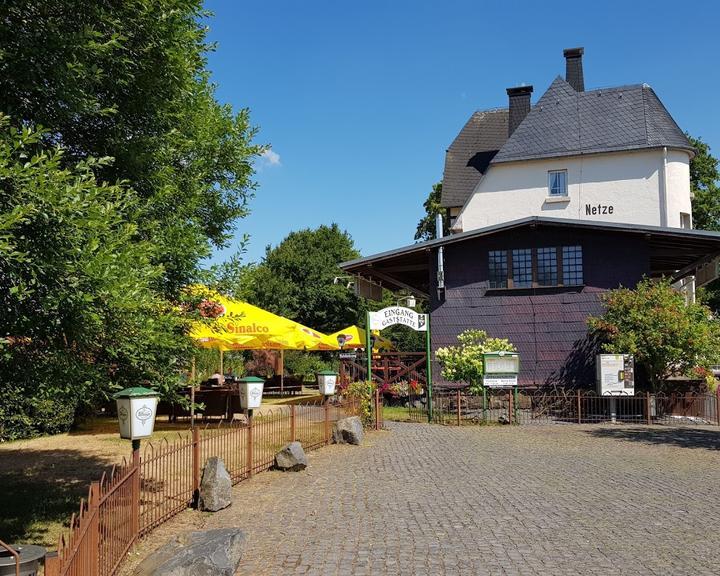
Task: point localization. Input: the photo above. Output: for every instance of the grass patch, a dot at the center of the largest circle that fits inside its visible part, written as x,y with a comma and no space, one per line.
396,413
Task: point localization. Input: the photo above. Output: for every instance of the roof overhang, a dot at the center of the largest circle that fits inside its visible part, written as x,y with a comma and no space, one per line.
674,252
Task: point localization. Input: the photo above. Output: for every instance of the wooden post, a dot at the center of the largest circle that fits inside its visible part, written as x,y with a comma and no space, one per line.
510,406
196,463
52,564
717,405
250,444
94,527
293,433
326,408
647,407
579,407
135,497
459,416
282,372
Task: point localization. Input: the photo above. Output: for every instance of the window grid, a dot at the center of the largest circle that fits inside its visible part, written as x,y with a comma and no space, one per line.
557,183
547,267
572,265
522,268
527,267
498,268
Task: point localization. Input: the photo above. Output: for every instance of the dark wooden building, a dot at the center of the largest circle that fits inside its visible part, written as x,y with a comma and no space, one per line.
536,281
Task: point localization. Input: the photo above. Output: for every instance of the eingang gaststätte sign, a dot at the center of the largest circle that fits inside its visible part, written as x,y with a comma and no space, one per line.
398,315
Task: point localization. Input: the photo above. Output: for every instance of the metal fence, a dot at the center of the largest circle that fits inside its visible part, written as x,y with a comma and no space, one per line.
137,496
459,407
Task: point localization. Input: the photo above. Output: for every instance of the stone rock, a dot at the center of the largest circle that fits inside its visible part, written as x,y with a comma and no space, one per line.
503,420
215,486
197,553
291,458
348,431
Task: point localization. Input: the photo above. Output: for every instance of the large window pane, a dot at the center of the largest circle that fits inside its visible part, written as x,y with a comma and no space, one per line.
572,265
522,268
498,268
547,267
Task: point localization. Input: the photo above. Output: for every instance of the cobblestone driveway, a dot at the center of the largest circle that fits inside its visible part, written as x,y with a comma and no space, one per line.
437,500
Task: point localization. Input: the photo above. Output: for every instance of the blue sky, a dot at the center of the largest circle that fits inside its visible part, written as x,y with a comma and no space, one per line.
359,100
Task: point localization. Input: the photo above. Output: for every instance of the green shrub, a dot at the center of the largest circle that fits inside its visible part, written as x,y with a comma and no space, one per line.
464,362
359,398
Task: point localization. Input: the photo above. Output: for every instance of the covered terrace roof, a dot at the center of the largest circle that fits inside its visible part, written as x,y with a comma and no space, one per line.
675,252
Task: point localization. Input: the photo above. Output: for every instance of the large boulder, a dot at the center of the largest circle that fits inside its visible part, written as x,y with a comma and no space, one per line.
348,431
215,486
291,458
197,553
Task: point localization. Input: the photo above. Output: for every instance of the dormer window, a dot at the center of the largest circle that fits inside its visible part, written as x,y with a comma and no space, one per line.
557,183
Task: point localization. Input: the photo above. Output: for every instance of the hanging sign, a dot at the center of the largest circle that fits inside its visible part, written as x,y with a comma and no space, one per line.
398,315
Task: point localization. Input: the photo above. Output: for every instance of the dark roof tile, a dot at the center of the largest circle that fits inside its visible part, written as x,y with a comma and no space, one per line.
567,123
470,154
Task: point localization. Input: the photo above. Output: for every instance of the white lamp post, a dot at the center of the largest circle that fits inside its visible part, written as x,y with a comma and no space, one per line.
251,392
136,408
326,381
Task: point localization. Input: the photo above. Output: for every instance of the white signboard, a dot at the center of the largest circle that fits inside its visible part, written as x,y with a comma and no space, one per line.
500,381
398,315
615,375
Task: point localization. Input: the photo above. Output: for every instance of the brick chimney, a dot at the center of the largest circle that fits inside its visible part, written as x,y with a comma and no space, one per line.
519,106
574,68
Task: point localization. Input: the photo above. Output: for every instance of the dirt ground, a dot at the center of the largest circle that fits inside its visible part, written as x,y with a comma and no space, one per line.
43,479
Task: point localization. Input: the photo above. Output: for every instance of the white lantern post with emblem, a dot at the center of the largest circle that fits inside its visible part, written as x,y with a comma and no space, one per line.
136,408
251,393
326,381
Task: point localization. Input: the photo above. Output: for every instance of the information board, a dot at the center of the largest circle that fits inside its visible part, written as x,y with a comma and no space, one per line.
500,380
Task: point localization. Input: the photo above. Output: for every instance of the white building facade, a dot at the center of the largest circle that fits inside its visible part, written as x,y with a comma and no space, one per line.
605,155
650,187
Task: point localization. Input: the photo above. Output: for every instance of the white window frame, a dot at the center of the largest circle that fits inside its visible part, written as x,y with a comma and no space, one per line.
562,194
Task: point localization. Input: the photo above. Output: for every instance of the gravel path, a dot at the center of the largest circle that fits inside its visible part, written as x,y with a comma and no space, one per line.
550,500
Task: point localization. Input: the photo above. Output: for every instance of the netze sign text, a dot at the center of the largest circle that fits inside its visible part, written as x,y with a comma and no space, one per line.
599,209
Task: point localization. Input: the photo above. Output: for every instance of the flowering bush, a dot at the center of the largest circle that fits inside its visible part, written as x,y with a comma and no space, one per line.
359,396
402,389
666,334
209,309
464,362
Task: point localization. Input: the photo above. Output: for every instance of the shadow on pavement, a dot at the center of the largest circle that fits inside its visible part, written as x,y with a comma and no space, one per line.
707,439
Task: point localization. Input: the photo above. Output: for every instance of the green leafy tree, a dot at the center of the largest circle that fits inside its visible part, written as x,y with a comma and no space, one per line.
79,316
128,80
464,362
296,279
426,227
666,335
705,186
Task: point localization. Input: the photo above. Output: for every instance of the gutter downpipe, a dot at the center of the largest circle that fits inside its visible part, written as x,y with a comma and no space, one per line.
663,191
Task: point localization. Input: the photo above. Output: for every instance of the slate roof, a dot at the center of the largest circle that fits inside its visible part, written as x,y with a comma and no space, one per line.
470,154
569,123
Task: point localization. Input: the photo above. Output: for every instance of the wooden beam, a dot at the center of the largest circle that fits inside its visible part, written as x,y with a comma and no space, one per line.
399,283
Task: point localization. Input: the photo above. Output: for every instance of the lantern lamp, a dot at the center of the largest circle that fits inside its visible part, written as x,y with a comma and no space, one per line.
136,408
251,392
326,380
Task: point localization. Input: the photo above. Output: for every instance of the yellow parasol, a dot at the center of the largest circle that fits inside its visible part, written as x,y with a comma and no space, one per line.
237,325
355,338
